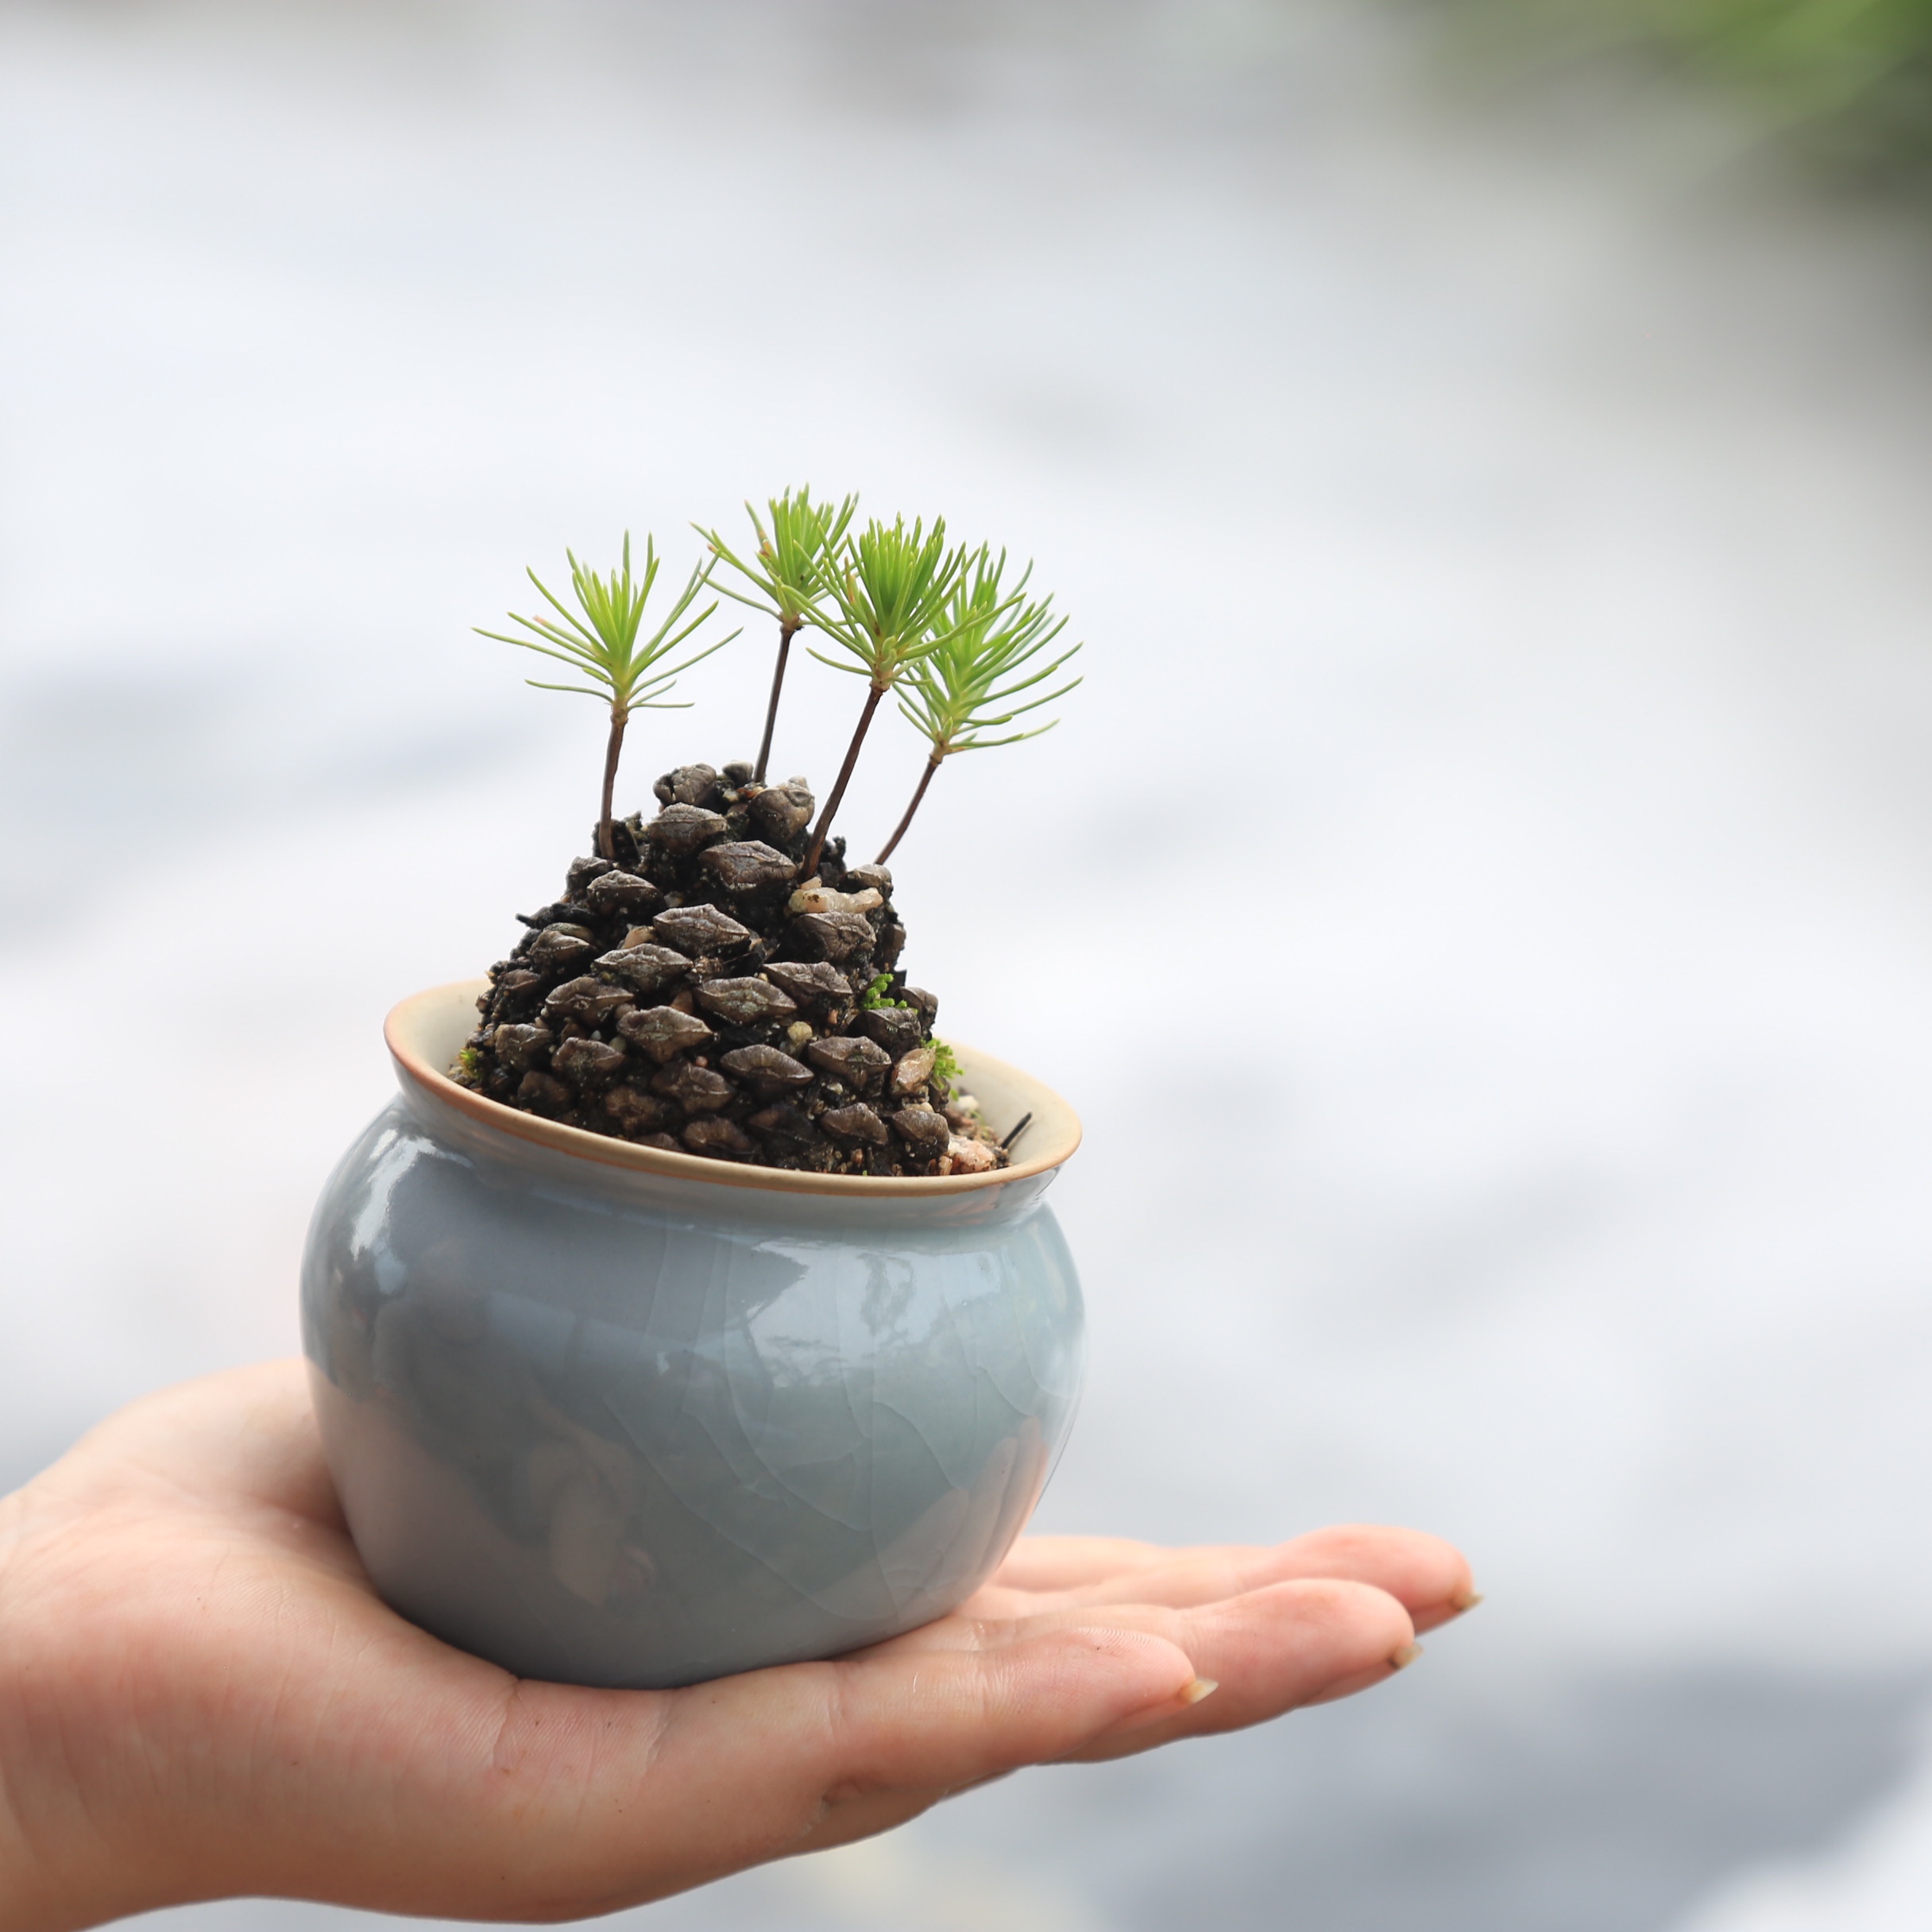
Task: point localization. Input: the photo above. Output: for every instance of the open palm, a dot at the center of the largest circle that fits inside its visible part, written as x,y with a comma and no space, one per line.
201,1696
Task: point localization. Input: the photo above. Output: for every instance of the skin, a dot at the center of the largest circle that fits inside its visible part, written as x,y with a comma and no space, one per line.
200,1696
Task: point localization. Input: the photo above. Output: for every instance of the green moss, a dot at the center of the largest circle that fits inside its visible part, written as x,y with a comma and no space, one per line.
880,994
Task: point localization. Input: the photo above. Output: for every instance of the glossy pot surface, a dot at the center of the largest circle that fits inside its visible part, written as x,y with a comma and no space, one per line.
605,1416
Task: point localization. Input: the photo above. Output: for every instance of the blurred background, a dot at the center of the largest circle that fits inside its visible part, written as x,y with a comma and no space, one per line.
1486,448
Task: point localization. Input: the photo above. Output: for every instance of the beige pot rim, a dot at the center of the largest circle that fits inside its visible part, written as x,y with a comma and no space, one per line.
425,1031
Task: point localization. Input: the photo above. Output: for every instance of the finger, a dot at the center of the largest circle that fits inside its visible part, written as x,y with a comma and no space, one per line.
1277,1650
1269,1651
910,1726
1428,1577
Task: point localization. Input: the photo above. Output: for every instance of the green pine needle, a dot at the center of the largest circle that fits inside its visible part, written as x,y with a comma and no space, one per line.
965,686
786,571
601,639
887,590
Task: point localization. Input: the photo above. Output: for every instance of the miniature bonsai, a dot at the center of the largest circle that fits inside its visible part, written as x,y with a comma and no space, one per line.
717,980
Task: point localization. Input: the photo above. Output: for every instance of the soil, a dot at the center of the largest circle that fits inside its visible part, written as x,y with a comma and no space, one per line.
696,995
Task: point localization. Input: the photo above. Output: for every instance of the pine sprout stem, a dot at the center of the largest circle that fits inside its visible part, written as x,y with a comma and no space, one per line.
926,779
788,629
809,869
607,842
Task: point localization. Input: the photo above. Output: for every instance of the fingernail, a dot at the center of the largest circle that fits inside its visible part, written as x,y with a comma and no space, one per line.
1468,1600
1405,1656
1201,1687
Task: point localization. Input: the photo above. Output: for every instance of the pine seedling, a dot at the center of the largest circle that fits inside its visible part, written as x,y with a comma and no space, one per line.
785,574
966,685
885,601
602,644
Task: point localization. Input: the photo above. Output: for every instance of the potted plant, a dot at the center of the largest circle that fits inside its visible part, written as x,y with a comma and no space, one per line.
694,1306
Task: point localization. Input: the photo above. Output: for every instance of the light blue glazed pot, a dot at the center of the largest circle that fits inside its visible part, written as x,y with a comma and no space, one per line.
605,1414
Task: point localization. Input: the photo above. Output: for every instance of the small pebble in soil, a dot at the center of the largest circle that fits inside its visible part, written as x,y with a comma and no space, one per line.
688,784
836,936
823,899
769,1072
913,1071
522,1047
782,812
897,1028
926,1130
622,894
560,945
679,830
589,1001
972,1157
636,1111
696,929
646,968
747,866
718,1136
697,1089
587,1062
745,1003
542,1093
860,1061
582,872
783,1120
663,1032
811,982
856,1122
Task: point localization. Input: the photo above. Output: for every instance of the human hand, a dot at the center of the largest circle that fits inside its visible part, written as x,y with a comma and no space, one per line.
202,1697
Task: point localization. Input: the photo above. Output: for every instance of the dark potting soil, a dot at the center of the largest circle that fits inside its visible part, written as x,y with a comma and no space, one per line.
696,993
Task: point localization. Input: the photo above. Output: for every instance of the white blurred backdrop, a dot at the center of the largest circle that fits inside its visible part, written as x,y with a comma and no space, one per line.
1480,900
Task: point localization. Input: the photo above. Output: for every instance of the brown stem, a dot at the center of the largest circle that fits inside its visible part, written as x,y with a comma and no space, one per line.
926,779
810,867
787,630
607,844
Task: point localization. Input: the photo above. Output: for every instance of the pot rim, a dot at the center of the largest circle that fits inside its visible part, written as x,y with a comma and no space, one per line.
406,1031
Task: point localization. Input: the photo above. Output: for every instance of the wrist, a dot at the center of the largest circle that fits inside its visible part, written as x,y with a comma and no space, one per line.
59,1868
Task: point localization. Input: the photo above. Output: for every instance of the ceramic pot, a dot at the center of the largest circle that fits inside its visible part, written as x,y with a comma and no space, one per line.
609,1416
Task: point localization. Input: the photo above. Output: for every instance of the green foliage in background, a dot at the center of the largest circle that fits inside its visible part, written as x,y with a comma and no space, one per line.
1850,80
